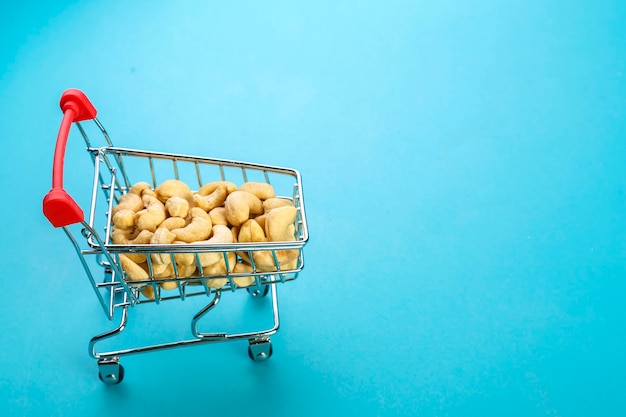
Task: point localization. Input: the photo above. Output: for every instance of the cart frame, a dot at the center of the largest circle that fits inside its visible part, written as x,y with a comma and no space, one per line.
116,292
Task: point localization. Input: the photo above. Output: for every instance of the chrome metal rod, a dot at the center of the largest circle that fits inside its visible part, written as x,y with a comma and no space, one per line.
87,269
235,336
103,336
201,338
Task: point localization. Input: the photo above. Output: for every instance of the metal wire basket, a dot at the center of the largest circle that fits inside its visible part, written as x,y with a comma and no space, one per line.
115,171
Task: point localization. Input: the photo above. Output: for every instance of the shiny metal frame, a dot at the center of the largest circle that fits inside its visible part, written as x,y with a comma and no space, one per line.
113,169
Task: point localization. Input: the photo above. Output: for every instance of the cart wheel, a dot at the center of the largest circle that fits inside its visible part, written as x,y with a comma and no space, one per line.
260,351
111,372
257,292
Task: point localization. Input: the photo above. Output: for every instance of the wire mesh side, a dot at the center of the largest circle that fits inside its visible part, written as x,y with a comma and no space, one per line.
154,167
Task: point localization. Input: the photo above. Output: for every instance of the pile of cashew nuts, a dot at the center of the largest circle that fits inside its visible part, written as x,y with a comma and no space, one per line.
217,213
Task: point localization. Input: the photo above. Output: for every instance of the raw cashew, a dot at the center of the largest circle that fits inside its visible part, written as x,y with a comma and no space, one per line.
292,263
124,219
138,188
177,206
209,187
279,227
172,223
216,282
148,292
160,271
219,268
243,281
130,237
172,188
251,231
279,224
184,259
170,285
218,216
239,205
269,205
264,260
262,190
275,202
162,236
198,229
221,234
235,231
126,237
261,220
133,271
215,199
185,271
128,201
150,217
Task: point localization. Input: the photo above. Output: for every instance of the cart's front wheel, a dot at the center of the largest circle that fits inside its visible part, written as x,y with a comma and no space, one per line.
260,350
258,292
111,372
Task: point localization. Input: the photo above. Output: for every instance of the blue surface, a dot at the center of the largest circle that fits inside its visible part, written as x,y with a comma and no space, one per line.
464,174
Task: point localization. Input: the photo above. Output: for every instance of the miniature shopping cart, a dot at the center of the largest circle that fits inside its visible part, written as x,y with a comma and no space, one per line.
115,170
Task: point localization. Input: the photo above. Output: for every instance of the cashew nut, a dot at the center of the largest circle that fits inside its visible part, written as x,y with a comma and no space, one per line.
139,188
148,191
239,205
218,216
235,231
219,268
150,217
198,229
286,258
124,219
243,281
128,201
275,202
262,190
133,271
148,292
162,236
177,206
172,223
261,220
209,187
185,270
264,261
160,271
279,224
251,231
172,188
279,227
131,237
212,200
221,234
184,259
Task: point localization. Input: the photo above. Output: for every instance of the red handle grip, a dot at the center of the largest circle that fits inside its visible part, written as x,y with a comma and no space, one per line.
58,207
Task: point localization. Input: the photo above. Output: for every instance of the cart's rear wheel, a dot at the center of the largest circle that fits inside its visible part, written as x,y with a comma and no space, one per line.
111,372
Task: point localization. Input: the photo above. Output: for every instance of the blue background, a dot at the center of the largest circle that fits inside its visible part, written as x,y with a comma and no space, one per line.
464,175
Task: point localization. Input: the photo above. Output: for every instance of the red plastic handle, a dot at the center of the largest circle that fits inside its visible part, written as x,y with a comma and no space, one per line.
61,209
